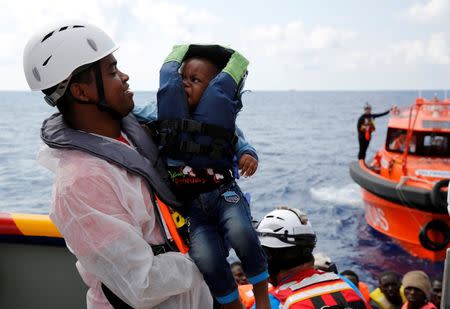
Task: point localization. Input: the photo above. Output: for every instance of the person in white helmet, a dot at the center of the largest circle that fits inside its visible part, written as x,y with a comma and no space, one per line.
288,239
107,174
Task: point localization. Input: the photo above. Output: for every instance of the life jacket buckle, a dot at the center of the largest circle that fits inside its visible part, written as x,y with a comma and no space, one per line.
190,147
189,125
218,150
153,128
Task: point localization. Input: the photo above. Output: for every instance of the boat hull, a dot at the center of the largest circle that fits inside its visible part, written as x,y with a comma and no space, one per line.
404,213
403,225
37,270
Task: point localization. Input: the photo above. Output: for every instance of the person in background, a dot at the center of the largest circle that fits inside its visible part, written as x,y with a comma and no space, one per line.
362,287
104,189
389,293
365,127
245,288
238,273
417,290
289,240
436,293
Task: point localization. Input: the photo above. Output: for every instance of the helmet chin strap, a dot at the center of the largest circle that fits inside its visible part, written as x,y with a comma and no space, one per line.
101,105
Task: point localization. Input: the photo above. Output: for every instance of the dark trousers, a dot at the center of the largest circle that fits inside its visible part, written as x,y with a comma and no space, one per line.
363,145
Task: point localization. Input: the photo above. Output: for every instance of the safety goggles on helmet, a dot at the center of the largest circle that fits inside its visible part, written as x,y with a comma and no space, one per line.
51,56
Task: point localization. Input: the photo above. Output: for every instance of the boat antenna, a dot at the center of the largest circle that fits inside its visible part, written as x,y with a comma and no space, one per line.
420,93
445,94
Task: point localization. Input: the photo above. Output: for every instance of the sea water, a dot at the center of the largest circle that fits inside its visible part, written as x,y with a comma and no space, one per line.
305,143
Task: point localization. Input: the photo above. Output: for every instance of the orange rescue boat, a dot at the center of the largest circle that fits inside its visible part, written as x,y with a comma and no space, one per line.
404,188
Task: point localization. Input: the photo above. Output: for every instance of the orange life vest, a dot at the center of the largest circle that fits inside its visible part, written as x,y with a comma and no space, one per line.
173,220
315,289
246,294
364,289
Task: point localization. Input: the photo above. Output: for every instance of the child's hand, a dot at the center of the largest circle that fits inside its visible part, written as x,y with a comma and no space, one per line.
247,165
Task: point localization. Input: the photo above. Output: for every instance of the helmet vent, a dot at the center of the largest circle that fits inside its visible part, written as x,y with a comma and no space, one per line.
63,28
92,44
78,26
47,36
46,61
36,74
278,229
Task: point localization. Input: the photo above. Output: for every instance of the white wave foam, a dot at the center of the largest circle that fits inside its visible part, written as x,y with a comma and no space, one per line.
348,195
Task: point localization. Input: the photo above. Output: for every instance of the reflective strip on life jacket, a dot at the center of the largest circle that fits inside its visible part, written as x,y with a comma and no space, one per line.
317,291
166,213
316,278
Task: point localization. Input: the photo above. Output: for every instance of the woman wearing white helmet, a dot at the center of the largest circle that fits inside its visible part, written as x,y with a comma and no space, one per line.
289,240
104,192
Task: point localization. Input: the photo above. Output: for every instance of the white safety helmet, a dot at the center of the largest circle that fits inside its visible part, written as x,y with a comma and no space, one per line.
52,55
286,227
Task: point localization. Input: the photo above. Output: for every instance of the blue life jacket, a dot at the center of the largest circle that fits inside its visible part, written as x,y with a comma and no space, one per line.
205,138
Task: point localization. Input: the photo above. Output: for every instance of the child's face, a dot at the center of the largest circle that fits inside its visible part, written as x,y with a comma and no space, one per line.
196,74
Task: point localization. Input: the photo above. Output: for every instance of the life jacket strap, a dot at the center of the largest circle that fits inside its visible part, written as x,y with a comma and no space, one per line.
115,301
194,126
217,150
167,133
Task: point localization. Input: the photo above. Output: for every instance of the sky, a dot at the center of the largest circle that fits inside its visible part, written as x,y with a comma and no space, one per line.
291,45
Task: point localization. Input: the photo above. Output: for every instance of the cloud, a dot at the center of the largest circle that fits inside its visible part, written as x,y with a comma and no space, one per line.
174,21
438,49
431,11
356,59
292,37
281,53
432,51
145,30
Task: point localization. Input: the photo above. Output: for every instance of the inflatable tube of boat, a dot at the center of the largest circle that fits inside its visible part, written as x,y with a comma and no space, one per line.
439,198
438,226
29,229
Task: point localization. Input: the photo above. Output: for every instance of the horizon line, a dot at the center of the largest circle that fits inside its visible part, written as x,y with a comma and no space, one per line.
284,90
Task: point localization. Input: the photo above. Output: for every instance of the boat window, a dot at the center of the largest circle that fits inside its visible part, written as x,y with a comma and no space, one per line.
396,139
436,144
430,144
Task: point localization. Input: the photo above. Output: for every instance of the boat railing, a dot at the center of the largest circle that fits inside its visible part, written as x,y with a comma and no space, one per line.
432,107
